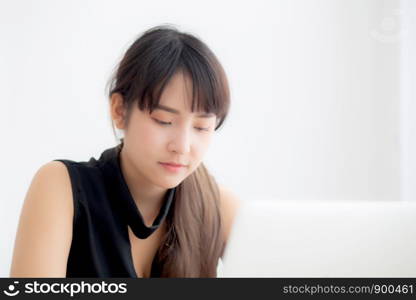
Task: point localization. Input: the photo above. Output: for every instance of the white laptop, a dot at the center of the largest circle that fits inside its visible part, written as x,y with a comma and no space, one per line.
322,239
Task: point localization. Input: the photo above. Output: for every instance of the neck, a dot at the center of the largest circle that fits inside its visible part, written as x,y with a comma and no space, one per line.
147,196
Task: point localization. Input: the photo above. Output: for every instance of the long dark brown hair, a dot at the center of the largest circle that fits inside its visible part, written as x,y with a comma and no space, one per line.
194,240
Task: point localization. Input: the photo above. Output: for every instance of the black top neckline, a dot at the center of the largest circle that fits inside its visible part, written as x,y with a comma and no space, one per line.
109,163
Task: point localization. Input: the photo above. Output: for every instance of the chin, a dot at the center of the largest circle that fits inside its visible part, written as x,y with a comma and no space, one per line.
168,184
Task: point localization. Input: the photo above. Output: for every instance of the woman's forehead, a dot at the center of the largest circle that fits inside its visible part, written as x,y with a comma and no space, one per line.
178,88
177,97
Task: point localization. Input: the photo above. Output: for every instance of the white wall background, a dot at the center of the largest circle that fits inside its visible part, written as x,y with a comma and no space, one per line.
407,36
316,89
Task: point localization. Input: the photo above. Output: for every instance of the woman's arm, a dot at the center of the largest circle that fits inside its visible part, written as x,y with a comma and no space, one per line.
229,209
44,232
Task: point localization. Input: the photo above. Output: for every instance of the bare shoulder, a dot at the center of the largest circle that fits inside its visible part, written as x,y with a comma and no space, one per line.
53,170
44,232
230,205
51,187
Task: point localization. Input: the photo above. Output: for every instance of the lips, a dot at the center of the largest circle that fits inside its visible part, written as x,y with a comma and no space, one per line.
173,164
172,167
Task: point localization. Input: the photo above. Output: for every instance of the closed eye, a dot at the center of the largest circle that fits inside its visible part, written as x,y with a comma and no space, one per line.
163,123
170,123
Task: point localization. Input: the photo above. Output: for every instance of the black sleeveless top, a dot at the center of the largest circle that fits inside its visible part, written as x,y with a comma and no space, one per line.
103,210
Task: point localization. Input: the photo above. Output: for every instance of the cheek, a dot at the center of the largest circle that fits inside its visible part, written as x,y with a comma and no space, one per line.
206,142
147,135
151,135
198,154
201,147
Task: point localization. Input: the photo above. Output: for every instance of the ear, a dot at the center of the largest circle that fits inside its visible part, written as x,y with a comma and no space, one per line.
117,110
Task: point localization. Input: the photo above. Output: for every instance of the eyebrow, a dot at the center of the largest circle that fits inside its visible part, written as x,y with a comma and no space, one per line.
174,111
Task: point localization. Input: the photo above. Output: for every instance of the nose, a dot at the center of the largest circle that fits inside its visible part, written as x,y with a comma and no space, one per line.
181,142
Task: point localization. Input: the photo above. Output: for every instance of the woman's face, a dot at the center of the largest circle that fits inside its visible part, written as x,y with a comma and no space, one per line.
170,134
